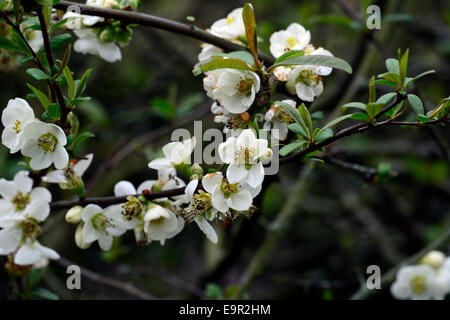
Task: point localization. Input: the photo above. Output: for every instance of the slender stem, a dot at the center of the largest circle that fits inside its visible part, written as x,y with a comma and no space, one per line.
103,280
148,20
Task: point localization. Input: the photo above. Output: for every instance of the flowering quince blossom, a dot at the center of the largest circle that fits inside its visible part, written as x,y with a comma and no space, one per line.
18,194
231,27
88,42
15,118
416,283
103,224
161,223
175,153
243,155
35,39
295,37
235,90
70,177
277,120
225,195
19,233
208,51
44,144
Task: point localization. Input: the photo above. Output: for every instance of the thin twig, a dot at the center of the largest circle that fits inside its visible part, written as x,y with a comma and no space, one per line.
103,280
160,23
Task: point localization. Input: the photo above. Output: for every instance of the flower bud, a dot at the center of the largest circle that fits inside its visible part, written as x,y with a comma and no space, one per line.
107,35
267,156
74,214
434,258
79,238
197,169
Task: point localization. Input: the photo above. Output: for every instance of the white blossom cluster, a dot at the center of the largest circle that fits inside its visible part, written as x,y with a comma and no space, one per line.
429,280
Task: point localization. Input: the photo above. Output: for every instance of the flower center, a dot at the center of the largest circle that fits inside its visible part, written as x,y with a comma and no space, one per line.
230,20
48,142
132,208
158,221
228,188
281,114
100,222
245,86
30,227
292,42
21,201
17,126
418,284
308,77
245,156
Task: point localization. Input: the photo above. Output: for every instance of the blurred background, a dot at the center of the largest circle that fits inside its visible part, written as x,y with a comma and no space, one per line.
319,225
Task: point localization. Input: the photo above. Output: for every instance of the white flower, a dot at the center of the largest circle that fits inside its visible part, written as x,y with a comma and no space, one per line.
434,258
161,223
208,51
416,283
305,82
19,235
87,20
243,155
225,195
102,224
70,177
277,119
200,220
234,89
231,27
88,42
19,194
295,37
15,118
126,188
175,153
44,144
34,39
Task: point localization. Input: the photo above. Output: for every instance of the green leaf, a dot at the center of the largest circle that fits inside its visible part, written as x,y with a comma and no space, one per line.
372,90
357,105
298,129
324,134
373,109
241,55
393,66
392,112
81,86
70,83
290,54
294,114
59,40
304,113
54,111
248,17
422,118
386,98
410,81
42,97
360,116
336,121
44,293
8,44
391,77
46,116
416,104
404,65
316,60
213,291
291,147
213,64
37,74
386,83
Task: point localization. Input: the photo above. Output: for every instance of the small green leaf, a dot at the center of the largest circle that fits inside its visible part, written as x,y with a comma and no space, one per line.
224,63
372,90
291,147
324,134
289,54
416,104
8,44
59,40
81,86
404,65
357,105
42,97
37,74
44,293
423,118
295,115
386,98
70,83
241,55
316,60
360,116
248,17
393,66
54,111
373,109
304,113
336,121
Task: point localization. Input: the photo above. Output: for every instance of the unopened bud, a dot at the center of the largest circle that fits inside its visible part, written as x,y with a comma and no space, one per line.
434,258
74,214
107,35
79,238
157,186
267,156
132,208
197,169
